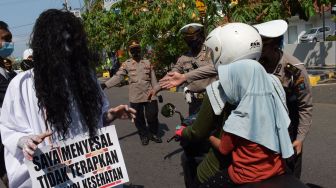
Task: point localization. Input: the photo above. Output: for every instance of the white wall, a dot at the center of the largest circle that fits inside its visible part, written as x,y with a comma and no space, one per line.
314,54
300,25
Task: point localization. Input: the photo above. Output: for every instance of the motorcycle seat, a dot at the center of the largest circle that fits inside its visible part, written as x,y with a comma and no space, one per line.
283,181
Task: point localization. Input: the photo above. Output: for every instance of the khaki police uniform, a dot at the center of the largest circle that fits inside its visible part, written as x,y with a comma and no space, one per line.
141,80
193,32
295,80
188,62
206,71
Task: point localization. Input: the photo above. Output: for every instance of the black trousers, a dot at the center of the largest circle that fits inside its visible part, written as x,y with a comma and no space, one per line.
294,163
150,111
2,160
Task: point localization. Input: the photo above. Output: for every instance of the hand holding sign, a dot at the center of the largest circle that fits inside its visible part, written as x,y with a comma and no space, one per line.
80,162
28,144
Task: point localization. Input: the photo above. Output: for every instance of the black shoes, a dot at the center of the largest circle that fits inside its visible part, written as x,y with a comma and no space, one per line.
155,139
144,140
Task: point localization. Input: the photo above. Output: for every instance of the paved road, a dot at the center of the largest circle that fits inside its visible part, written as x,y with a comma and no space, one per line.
158,165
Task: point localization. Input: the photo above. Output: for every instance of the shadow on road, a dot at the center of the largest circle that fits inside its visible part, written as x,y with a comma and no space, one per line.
128,135
313,185
163,128
169,155
133,186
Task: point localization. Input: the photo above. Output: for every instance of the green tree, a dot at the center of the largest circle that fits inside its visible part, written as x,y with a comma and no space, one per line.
254,11
154,23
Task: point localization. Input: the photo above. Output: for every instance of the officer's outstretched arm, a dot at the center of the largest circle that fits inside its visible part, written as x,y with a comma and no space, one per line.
172,79
117,78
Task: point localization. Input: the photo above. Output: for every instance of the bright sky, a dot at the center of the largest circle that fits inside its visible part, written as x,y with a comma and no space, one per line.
20,15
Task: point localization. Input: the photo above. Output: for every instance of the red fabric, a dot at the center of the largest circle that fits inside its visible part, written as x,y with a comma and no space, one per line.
179,131
251,162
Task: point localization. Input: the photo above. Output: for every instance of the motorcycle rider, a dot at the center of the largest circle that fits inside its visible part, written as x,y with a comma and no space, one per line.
220,43
293,76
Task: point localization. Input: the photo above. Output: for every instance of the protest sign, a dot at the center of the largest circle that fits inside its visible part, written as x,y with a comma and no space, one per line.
81,162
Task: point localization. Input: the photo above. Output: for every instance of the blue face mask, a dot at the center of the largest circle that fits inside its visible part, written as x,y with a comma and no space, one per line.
7,49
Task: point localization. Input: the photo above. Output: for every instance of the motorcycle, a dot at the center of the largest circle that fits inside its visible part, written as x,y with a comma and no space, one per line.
191,148
194,153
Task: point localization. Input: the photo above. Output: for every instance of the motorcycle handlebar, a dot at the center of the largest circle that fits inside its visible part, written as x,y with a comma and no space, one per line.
176,137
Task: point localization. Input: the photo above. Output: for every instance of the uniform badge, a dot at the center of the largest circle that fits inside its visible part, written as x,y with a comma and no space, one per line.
277,69
293,70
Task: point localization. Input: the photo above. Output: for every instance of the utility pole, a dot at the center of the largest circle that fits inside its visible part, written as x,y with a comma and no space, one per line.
65,4
323,22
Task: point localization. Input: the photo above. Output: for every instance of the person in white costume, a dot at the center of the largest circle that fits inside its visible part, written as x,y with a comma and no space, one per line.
58,99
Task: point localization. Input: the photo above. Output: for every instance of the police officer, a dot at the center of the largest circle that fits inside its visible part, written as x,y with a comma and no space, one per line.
196,57
142,81
194,37
6,49
294,78
27,60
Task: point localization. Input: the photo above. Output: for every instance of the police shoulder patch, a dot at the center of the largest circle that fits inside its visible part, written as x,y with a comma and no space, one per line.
300,83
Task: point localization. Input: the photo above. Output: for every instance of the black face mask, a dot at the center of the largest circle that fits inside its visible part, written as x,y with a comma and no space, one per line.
194,44
26,64
135,52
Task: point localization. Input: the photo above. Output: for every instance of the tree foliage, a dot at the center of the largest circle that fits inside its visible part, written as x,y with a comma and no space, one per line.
254,11
156,23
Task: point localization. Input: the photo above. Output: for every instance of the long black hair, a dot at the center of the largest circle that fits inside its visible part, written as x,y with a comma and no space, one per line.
63,73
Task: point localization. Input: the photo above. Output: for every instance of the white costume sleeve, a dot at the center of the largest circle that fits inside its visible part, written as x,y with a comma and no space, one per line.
13,121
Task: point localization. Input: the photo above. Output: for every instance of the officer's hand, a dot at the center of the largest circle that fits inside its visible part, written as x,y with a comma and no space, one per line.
120,112
28,144
297,144
172,79
151,94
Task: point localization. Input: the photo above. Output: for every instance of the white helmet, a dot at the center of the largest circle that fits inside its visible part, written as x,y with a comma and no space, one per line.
232,42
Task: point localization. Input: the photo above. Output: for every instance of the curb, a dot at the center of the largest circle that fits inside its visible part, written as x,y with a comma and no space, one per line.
315,79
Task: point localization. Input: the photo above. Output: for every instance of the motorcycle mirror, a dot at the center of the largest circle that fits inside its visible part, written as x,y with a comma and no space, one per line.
168,110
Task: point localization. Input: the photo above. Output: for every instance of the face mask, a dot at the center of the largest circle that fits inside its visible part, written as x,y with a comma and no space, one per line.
26,64
135,52
194,44
7,49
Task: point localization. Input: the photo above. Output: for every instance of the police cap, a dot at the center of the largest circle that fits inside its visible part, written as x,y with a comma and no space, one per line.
191,30
134,44
272,29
